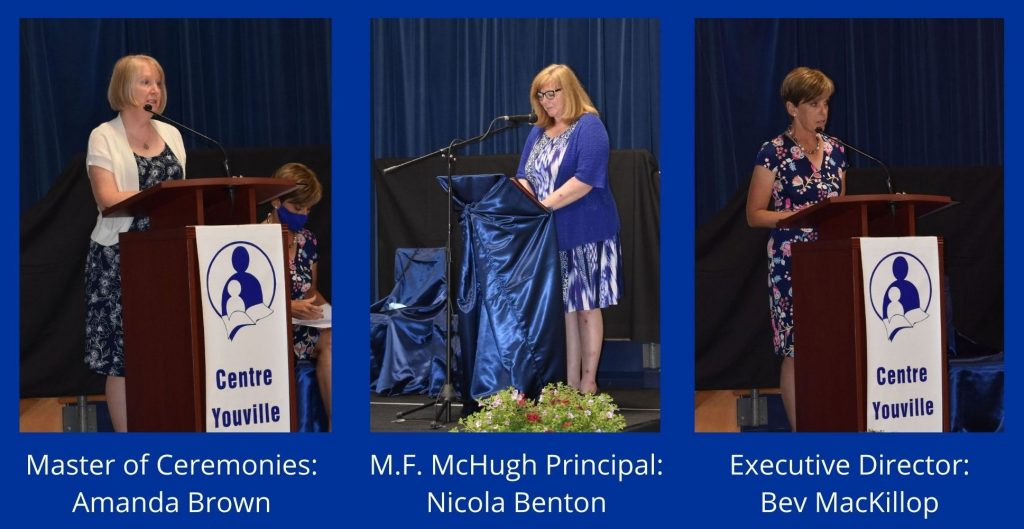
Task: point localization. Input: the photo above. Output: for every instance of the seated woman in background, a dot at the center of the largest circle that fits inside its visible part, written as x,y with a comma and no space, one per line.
311,344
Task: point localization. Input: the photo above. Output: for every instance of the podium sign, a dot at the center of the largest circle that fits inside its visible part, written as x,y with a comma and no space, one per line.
832,312
903,320
244,297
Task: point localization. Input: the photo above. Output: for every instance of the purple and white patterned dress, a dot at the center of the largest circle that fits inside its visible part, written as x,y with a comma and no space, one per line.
591,272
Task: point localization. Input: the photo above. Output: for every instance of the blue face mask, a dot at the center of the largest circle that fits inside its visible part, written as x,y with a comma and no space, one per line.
294,221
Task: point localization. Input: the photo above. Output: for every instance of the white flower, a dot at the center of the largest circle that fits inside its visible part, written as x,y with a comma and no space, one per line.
588,413
570,415
609,415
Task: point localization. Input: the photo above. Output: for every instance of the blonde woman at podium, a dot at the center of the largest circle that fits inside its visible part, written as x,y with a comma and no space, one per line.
565,164
793,171
310,311
127,154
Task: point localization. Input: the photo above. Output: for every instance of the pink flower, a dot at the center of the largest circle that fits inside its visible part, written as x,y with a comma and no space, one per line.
796,152
787,249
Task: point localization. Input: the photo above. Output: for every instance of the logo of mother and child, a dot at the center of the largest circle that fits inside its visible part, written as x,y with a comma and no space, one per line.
901,292
240,285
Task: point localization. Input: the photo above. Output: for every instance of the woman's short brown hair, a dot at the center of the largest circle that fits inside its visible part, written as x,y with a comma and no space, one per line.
309,191
126,71
577,102
806,84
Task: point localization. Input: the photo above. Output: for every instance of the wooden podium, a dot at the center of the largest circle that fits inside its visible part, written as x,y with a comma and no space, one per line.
828,304
160,285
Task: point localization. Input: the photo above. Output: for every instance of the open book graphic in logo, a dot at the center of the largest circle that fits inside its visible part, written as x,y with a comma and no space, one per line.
240,285
901,292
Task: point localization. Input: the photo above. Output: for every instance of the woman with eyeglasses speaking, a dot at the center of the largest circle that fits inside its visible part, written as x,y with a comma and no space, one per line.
565,164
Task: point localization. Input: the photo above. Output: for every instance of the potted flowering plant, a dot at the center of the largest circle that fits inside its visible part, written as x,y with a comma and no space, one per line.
560,408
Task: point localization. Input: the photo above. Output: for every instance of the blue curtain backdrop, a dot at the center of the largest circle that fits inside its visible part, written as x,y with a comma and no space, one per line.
912,93
246,83
438,79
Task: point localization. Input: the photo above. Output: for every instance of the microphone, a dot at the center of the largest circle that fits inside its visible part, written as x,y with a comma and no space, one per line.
888,175
521,118
165,119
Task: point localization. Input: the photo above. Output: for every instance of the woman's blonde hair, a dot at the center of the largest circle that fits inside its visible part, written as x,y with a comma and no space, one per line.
577,102
126,71
309,191
806,84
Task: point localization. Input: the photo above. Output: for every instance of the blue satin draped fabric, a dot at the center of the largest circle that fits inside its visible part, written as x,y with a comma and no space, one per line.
976,394
509,301
311,411
407,328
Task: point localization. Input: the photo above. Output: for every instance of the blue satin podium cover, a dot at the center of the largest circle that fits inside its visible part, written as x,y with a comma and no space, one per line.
509,302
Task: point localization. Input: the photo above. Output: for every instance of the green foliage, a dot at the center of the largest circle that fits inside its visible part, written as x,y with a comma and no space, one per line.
560,408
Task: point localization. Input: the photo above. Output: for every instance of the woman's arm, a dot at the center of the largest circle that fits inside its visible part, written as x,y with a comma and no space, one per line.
308,308
104,188
759,195
569,192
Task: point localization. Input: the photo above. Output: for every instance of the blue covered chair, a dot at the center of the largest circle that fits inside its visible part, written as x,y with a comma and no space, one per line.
975,386
407,327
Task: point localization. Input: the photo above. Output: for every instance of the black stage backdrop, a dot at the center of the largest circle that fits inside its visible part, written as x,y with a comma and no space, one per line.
412,213
54,242
733,333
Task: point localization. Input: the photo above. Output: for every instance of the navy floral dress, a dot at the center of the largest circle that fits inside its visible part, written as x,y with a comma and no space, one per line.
104,333
798,185
304,339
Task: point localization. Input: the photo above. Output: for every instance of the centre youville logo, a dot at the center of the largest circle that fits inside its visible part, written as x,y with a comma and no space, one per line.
901,292
240,285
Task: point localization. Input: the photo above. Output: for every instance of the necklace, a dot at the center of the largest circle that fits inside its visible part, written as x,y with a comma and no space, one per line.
145,143
789,132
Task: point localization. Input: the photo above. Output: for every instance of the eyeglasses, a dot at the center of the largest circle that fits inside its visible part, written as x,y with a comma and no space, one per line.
549,95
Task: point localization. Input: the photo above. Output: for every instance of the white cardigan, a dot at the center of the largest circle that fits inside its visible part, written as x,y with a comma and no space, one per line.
109,149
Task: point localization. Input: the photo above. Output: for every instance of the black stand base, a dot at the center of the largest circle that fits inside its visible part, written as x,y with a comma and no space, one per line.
444,407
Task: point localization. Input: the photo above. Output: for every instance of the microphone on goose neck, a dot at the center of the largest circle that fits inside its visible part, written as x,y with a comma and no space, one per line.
165,119
888,175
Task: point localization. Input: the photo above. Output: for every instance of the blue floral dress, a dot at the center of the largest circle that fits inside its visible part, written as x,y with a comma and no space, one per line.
591,272
104,333
798,185
304,339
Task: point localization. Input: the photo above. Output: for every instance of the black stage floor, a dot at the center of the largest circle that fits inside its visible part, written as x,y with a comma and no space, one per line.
640,407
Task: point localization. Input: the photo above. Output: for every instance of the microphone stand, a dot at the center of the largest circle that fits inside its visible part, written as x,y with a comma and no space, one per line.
447,395
227,169
888,174
165,119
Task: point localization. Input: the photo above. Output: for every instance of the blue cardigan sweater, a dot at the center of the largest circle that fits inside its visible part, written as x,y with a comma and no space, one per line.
594,216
